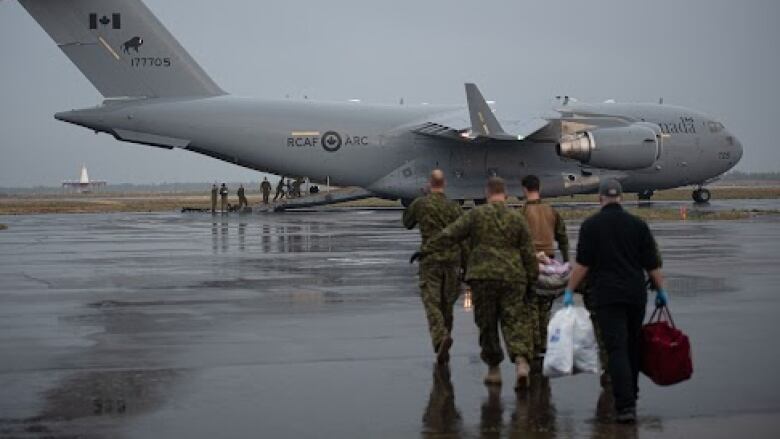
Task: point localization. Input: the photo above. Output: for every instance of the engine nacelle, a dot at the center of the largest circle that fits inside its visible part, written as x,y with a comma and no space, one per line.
623,148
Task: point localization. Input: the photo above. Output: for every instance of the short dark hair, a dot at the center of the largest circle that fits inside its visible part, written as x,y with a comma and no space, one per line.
531,183
496,185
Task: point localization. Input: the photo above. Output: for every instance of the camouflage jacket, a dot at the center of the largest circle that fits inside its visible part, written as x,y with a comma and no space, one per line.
432,213
499,242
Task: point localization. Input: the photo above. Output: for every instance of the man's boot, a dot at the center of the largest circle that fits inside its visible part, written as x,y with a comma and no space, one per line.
443,351
493,377
523,370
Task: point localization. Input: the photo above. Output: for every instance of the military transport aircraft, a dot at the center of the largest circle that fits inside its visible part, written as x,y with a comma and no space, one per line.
156,94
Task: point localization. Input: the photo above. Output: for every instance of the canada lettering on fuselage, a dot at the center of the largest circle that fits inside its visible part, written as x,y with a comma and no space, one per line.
686,125
330,141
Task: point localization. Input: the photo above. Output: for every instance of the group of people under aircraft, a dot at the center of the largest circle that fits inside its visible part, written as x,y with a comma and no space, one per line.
496,249
285,188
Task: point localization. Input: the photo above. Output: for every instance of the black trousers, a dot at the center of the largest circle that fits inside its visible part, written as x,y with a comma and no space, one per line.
620,326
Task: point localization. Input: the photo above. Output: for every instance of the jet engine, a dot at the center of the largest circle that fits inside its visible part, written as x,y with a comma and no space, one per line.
622,148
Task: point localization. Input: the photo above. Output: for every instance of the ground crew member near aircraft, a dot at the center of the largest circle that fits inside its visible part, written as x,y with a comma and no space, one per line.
213,198
501,264
296,187
438,272
280,189
614,251
546,226
265,188
223,194
242,201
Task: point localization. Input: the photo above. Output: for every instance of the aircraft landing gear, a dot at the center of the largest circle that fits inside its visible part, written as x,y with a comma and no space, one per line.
701,195
406,202
645,195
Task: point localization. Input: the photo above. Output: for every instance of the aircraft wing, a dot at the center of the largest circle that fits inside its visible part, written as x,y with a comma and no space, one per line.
441,130
482,125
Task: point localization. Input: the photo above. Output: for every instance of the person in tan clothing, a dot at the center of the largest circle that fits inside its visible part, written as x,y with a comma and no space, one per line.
547,228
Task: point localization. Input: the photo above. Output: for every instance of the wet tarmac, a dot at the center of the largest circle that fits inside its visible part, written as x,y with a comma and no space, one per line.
309,325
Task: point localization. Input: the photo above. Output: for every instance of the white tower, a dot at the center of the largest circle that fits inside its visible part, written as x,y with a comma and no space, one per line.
83,185
84,179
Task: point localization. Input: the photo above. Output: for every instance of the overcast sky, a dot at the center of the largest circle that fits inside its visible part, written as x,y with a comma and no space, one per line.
718,56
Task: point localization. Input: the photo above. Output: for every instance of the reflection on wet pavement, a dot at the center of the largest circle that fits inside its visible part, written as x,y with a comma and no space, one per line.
535,411
309,325
441,417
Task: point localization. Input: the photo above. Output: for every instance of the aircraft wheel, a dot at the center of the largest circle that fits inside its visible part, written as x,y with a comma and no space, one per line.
702,195
646,194
406,202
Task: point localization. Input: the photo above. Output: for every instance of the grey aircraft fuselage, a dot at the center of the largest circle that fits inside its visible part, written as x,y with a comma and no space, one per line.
372,146
156,94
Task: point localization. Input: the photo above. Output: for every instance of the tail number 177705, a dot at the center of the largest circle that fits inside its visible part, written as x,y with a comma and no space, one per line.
150,62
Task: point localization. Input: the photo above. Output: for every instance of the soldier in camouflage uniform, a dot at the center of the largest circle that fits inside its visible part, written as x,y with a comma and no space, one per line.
547,227
214,198
438,273
501,265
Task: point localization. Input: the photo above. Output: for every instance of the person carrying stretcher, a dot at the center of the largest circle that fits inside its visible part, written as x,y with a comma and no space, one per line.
547,227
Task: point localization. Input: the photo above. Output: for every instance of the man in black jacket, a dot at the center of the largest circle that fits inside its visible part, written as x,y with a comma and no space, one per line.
614,251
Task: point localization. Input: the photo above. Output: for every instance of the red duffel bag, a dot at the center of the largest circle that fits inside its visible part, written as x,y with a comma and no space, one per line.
666,351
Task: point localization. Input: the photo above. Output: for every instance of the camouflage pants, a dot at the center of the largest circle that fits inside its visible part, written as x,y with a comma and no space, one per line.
540,310
501,303
439,292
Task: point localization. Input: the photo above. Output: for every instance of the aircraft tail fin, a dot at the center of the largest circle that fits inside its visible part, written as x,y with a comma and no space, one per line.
121,47
483,121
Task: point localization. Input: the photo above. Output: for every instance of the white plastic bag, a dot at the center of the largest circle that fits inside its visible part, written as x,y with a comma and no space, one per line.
571,344
586,349
559,358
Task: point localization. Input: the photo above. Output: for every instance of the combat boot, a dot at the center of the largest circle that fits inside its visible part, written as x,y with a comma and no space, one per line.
443,351
523,371
493,376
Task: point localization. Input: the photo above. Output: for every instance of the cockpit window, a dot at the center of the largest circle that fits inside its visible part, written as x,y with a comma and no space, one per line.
715,127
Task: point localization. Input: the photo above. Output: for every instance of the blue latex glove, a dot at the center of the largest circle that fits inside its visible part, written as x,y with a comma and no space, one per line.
568,297
661,299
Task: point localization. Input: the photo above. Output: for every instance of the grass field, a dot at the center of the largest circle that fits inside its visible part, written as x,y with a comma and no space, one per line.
684,194
170,202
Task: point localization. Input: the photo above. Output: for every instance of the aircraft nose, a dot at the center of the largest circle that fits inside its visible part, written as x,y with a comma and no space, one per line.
737,148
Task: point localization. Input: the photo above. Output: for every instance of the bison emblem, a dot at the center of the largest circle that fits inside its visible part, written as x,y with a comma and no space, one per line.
133,43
